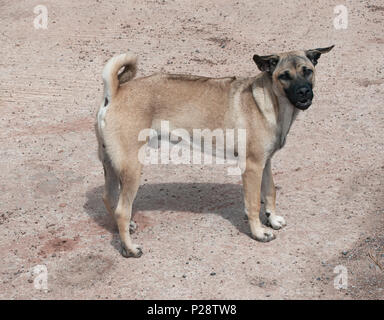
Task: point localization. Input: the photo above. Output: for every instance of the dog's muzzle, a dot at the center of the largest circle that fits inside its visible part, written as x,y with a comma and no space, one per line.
303,105
303,97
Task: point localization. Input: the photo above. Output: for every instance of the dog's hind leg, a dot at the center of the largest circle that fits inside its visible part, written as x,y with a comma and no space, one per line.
111,186
111,189
129,183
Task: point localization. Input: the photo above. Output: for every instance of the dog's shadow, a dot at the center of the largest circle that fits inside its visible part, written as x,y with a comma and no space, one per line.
225,200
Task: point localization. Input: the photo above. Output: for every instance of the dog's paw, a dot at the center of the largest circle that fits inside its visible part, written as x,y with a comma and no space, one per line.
135,251
263,235
276,222
132,226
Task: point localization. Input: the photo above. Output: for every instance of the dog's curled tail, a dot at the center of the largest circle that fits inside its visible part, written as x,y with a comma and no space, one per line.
112,79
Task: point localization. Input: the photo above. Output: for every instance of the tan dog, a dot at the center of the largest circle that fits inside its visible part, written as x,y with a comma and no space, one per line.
265,106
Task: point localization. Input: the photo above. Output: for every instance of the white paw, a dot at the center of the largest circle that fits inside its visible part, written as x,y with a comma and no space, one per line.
263,235
276,222
135,251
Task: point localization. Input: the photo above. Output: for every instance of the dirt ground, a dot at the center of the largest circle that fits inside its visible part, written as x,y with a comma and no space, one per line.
195,239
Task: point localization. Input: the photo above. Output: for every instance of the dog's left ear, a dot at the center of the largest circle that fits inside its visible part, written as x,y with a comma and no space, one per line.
315,54
266,63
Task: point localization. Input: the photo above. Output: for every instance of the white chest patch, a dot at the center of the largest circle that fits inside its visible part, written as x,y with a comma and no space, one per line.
101,117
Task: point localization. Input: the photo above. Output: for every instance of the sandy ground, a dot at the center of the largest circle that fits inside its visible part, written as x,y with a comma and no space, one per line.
195,239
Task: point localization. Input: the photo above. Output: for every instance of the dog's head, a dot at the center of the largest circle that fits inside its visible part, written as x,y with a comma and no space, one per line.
293,74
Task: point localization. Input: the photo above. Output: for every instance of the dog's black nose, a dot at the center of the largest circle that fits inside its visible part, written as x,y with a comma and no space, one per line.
303,93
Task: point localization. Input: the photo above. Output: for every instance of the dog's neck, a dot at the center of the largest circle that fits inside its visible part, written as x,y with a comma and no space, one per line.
277,110
286,115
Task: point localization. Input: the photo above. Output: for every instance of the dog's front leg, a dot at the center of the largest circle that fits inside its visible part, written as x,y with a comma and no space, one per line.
252,178
268,194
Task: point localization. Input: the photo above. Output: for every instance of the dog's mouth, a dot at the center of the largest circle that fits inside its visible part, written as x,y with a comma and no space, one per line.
303,105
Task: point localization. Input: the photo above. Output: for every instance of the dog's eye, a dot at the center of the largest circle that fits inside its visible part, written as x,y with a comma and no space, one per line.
307,72
285,76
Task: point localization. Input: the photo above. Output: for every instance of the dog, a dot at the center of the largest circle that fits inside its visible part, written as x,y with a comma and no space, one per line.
265,106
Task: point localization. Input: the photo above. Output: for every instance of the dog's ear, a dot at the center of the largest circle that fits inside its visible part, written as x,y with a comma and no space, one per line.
315,54
266,63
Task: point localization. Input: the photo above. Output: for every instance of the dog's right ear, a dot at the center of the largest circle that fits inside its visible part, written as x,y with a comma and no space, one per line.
266,63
